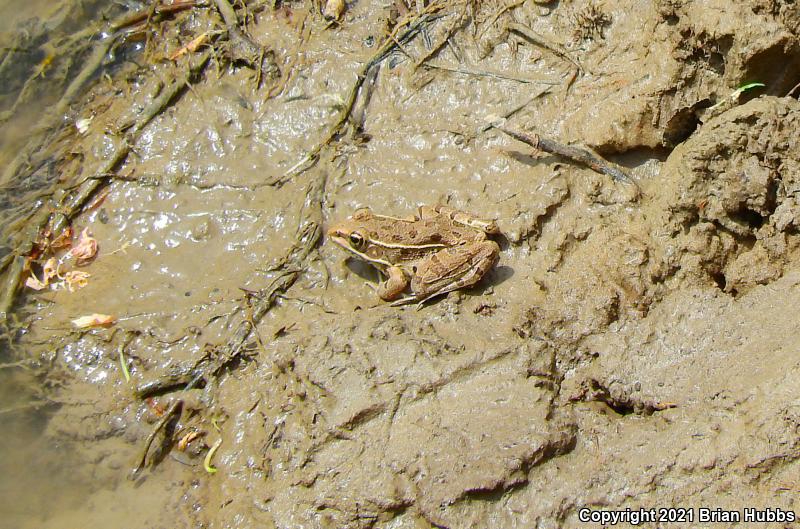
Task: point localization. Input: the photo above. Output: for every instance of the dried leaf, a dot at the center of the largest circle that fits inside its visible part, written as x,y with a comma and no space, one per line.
158,409
34,283
76,279
50,270
86,248
83,124
64,240
333,9
191,47
93,320
186,439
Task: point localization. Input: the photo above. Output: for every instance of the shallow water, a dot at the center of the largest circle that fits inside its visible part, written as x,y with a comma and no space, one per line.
39,484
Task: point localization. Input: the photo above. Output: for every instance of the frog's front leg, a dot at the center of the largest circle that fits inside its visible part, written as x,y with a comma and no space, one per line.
452,269
396,282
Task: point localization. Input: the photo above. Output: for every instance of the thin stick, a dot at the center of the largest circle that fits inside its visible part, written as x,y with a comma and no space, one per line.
243,47
23,407
457,24
493,18
493,75
792,91
534,38
159,10
591,160
176,407
515,109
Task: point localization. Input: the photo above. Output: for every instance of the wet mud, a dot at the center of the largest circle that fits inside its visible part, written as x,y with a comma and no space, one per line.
633,347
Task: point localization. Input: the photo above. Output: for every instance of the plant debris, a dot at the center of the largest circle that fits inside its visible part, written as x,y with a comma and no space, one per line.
94,320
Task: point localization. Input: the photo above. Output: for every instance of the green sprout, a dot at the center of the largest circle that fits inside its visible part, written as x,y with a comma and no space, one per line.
736,93
124,364
209,456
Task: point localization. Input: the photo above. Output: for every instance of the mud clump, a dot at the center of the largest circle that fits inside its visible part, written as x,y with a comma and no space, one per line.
729,196
673,60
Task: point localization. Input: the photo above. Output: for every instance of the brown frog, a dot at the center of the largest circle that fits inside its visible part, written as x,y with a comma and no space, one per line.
436,251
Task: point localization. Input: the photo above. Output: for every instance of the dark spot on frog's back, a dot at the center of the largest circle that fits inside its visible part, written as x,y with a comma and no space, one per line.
412,233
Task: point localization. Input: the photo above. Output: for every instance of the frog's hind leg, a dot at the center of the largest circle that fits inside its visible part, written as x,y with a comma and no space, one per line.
454,269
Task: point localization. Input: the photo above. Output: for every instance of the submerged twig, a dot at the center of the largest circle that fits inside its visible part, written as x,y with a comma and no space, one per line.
174,409
24,407
157,10
12,282
582,156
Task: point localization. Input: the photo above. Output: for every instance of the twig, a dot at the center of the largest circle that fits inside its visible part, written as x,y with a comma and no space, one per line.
11,285
584,157
492,74
174,409
534,38
165,383
457,24
228,13
25,364
493,18
5,261
23,407
390,42
514,110
289,69
156,11
244,48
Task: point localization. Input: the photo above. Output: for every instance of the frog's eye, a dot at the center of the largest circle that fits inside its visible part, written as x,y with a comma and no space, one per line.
357,240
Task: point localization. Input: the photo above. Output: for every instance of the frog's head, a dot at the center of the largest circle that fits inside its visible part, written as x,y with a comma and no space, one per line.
355,235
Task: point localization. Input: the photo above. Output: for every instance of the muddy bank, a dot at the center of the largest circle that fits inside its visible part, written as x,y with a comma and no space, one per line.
632,348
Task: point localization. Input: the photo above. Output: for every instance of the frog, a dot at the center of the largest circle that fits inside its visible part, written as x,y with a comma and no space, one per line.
438,250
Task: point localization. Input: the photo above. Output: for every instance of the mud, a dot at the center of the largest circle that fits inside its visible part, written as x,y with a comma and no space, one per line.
633,348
